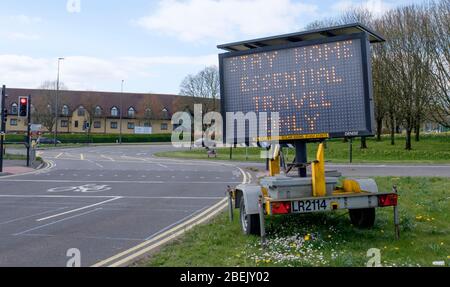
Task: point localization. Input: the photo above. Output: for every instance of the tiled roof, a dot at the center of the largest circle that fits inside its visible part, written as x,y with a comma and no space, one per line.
108,100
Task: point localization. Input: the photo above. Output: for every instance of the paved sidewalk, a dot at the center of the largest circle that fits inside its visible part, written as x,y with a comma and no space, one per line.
12,167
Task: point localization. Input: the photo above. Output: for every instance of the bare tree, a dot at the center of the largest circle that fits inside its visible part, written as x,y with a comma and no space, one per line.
206,85
43,111
408,64
440,68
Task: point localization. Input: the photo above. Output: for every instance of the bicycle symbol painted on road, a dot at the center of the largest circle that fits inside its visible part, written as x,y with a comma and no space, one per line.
87,188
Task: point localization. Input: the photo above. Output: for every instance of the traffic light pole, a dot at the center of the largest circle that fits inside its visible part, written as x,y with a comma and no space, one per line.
29,132
2,125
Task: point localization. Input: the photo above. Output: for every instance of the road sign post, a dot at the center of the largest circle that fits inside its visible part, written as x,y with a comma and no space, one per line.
28,131
2,125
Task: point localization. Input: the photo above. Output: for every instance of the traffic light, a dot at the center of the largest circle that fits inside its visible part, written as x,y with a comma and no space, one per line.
5,116
23,107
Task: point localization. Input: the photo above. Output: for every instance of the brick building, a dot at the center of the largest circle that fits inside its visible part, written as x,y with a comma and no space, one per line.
99,111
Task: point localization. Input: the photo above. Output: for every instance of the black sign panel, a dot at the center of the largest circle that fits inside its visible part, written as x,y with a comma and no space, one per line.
320,87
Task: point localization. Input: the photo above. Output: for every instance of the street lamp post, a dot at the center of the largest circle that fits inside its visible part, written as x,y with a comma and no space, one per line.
56,104
120,113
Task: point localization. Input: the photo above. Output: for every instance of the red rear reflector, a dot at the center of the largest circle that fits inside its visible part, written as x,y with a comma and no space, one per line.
281,207
387,200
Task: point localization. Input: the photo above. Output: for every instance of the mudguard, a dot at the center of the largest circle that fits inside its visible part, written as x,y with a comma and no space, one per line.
367,184
251,193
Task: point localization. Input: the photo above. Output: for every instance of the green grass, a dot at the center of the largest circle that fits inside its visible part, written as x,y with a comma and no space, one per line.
19,157
333,241
430,149
14,157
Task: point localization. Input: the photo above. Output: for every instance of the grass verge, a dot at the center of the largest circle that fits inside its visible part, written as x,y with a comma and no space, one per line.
327,239
430,149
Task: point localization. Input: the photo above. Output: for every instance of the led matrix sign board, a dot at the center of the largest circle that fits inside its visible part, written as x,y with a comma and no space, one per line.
319,88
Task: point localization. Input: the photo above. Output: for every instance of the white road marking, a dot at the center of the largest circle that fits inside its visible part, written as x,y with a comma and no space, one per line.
54,222
96,163
176,223
249,177
110,196
79,209
60,154
162,165
137,251
143,248
29,216
107,157
81,156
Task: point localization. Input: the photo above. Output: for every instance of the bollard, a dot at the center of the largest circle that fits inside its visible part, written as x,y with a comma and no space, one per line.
396,216
261,220
230,203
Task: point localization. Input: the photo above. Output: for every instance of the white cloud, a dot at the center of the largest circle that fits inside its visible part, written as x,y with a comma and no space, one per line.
200,20
377,7
21,36
19,27
24,19
90,73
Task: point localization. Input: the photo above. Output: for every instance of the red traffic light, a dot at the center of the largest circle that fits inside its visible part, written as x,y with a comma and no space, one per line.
23,107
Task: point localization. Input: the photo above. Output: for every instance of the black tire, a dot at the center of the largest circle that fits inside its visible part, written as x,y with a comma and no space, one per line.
362,218
250,224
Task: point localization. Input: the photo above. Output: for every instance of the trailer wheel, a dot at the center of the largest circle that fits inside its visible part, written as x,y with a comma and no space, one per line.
362,218
249,222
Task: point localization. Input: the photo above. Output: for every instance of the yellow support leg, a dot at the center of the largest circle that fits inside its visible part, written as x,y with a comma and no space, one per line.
318,173
274,163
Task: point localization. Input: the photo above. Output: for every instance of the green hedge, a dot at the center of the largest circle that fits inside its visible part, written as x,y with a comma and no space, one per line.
99,138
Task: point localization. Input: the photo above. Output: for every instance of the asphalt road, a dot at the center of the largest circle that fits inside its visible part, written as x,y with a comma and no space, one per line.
111,200
102,201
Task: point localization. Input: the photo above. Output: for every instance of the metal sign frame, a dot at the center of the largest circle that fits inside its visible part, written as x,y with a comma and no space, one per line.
366,77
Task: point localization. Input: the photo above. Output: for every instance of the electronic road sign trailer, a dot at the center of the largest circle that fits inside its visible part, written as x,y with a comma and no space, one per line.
320,83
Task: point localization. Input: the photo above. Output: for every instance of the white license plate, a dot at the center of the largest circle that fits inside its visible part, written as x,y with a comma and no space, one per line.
309,205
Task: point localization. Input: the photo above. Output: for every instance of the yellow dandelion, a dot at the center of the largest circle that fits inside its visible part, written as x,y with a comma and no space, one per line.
448,257
267,261
396,248
385,247
307,237
442,243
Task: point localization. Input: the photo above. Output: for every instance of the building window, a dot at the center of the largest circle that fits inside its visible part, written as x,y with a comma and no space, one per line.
114,112
97,125
148,124
164,127
131,112
131,126
64,124
81,111
98,111
76,124
65,111
13,122
148,113
165,113
114,125
14,109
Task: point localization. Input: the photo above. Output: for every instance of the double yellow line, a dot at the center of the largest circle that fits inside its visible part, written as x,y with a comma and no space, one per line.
130,255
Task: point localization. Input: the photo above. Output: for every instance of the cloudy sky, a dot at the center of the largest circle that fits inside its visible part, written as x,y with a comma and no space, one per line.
152,45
